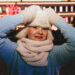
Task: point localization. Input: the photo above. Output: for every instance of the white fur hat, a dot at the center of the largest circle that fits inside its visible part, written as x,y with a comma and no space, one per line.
41,19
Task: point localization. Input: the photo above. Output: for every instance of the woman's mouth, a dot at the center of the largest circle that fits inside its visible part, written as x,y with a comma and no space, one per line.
39,37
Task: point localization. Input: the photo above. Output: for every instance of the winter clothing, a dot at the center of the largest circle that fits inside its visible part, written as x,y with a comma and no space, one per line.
58,56
34,53
29,13
23,34
52,16
40,19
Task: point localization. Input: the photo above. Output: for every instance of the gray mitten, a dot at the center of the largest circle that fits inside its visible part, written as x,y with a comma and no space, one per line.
30,13
52,16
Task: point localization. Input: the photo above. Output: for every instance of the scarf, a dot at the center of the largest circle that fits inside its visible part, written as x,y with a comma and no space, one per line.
34,53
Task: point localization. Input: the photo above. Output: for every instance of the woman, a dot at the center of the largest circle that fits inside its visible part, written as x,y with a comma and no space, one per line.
36,54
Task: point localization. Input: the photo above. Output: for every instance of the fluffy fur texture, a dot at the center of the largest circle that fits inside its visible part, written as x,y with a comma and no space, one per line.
29,13
52,16
34,53
41,19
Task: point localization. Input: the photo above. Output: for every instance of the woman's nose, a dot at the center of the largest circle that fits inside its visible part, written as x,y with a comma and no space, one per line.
40,30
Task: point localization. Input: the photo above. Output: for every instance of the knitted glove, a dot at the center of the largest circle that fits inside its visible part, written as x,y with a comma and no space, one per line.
52,16
30,13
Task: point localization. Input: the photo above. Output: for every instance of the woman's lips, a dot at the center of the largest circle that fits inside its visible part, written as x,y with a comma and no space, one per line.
39,37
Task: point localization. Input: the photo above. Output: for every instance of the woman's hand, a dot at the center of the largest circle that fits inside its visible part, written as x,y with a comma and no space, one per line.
52,16
29,13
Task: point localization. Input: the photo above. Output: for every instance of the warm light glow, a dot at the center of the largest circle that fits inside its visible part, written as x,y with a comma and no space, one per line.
9,0
72,0
19,26
66,14
44,0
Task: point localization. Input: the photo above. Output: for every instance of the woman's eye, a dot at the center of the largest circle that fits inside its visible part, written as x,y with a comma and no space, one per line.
35,27
45,28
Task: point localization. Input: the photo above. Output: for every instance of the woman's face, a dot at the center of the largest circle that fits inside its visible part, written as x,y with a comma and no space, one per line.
37,33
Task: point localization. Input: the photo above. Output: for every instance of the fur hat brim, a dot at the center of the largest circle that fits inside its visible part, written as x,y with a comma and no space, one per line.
23,34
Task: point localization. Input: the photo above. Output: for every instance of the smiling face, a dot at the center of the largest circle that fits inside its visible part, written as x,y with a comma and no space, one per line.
37,33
